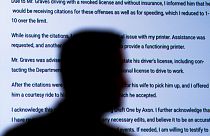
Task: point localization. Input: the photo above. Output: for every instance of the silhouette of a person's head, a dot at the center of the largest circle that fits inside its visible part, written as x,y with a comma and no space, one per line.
91,68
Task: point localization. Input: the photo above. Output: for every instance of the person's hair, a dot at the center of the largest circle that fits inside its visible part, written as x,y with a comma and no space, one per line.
89,59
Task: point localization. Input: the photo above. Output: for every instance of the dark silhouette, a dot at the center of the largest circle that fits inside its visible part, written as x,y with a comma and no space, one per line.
91,71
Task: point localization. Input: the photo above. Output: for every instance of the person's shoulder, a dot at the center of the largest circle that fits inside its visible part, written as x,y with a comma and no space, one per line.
37,126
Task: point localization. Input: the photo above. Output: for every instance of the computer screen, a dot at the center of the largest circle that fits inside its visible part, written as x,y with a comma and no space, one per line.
167,61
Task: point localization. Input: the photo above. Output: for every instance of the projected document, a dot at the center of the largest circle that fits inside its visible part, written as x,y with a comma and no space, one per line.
167,61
